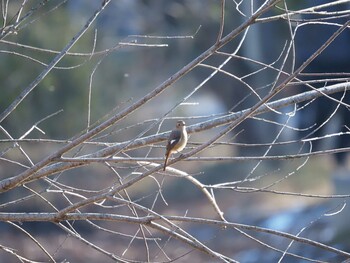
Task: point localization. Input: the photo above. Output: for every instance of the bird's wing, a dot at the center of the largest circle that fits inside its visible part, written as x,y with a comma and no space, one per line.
174,138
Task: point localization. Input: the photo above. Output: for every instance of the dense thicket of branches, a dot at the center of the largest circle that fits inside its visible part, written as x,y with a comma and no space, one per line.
91,90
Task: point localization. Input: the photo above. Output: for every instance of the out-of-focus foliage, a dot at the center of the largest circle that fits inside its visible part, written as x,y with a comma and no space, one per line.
47,32
120,76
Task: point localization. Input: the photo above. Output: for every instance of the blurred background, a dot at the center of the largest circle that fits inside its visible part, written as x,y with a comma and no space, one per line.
87,87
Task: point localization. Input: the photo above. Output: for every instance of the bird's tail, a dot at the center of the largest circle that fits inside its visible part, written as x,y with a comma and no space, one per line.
166,161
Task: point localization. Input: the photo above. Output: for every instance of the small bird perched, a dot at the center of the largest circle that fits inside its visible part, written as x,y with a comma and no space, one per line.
177,141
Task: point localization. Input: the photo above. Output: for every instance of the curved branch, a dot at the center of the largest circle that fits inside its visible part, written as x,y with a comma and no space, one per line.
148,220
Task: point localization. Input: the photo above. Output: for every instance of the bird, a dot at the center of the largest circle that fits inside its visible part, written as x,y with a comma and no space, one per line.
177,140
